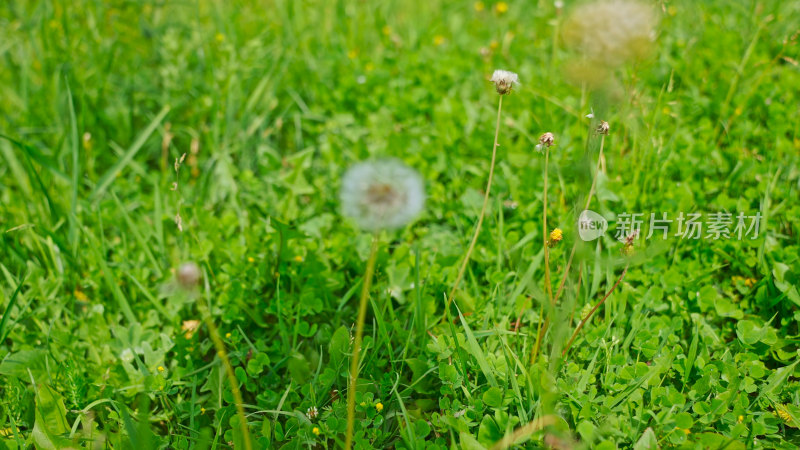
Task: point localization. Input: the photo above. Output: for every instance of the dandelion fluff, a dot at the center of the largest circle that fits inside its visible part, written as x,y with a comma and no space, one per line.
504,81
610,32
382,195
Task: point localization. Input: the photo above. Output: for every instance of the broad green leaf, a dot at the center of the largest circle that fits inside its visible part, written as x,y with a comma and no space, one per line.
50,428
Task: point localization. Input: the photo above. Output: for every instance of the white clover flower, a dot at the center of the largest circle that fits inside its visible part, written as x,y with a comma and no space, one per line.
504,81
126,355
382,195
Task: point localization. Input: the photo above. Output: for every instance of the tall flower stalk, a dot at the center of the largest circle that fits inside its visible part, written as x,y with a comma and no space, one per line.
237,394
188,277
378,195
602,129
504,82
545,142
362,313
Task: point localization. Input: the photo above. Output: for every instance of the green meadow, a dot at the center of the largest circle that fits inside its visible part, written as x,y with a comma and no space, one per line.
180,267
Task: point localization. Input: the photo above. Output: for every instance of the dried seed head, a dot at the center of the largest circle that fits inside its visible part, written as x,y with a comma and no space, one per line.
627,247
547,140
188,275
603,127
504,81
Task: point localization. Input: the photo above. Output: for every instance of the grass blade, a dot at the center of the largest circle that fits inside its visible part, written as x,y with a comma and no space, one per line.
109,176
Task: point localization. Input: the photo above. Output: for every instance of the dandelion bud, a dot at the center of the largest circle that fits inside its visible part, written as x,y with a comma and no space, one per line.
382,195
547,140
188,275
555,237
504,81
603,127
627,247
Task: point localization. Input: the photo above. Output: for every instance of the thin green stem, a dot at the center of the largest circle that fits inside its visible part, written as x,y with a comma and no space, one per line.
589,316
547,284
543,328
464,263
588,202
362,313
237,394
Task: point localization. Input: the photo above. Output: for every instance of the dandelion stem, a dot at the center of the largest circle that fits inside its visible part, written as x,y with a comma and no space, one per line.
588,202
464,263
589,316
547,284
543,328
237,394
362,312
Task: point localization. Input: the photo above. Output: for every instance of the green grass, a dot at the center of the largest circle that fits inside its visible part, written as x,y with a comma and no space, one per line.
271,102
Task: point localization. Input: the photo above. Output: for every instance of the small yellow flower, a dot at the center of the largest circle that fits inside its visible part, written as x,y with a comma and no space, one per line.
352,54
298,258
740,419
160,368
687,431
501,7
479,6
251,259
494,44
555,236
379,406
227,335
369,67
220,37
315,430
438,40
79,295
386,30
363,403
783,414
202,410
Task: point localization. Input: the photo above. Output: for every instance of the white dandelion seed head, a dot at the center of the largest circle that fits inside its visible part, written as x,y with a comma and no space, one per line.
188,275
504,81
382,195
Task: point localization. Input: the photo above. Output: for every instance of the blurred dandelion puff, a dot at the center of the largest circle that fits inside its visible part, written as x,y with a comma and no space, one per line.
188,275
611,31
382,195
